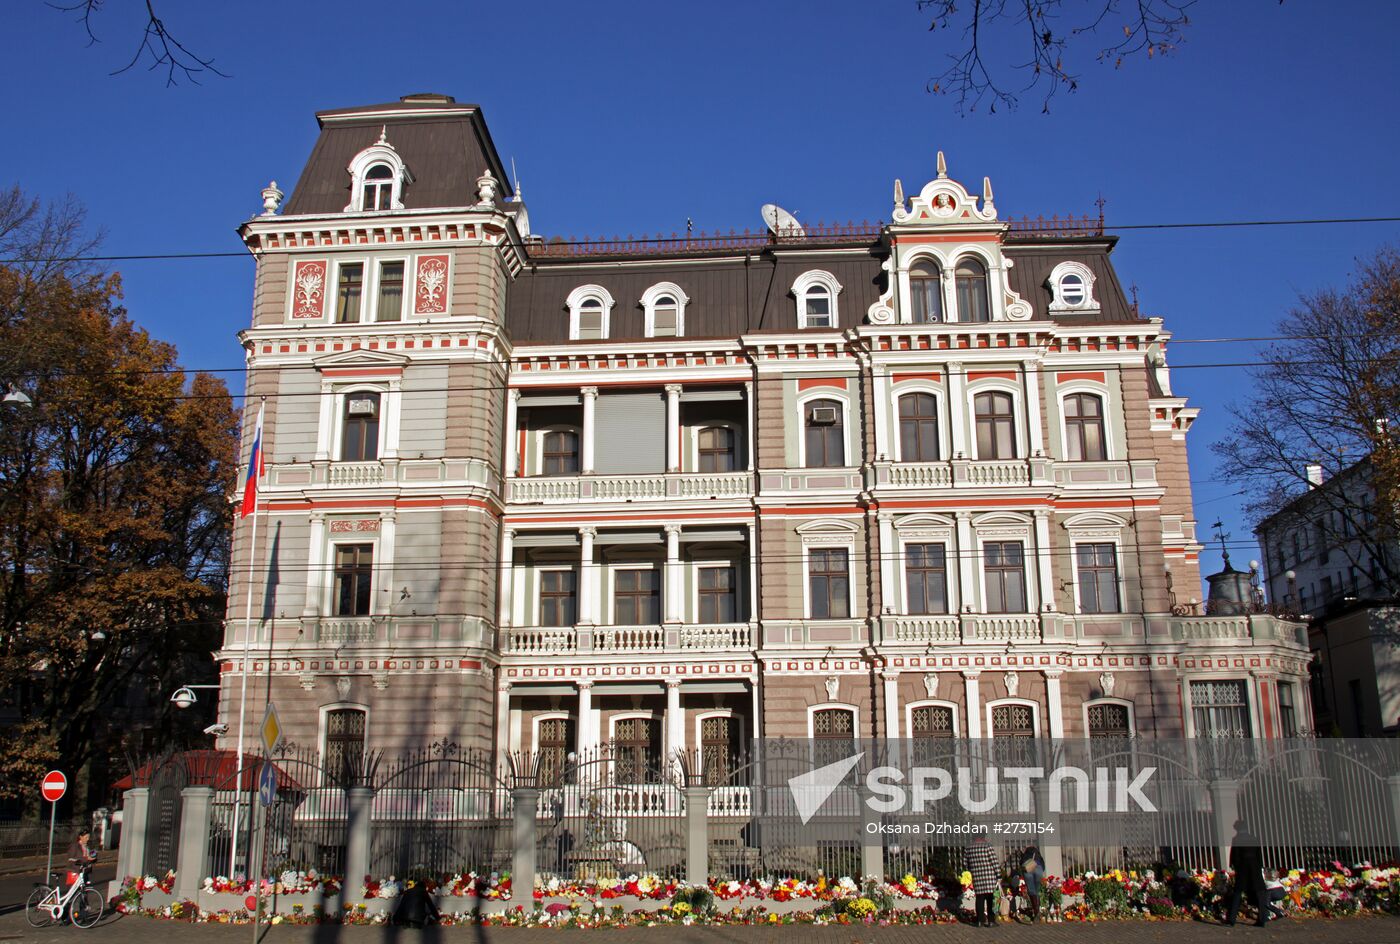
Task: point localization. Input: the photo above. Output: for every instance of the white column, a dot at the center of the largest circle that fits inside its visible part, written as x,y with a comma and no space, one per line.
974,704
512,452
884,449
1036,434
325,428
753,577
587,734
590,402
1043,564
503,744
507,586
957,408
384,599
673,427
1054,702
756,722
967,576
671,605
675,721
315,566
751,412
891,680
392,403
588,583
890,596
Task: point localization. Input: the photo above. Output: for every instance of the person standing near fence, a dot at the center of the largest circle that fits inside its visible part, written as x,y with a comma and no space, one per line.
1033,872
982,863
1247,861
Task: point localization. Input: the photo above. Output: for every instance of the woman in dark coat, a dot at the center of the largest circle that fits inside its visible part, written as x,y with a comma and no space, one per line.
1033,873
982,863
1247,860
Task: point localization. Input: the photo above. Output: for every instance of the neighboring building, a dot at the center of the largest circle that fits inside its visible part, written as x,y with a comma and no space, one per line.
919,479
1326,560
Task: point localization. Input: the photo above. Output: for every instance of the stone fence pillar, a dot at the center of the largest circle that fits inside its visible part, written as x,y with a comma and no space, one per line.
131,854
1225,809
359,802
697,835
524,806
192,854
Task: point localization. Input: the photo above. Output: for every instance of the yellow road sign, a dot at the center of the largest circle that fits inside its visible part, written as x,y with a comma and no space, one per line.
271,729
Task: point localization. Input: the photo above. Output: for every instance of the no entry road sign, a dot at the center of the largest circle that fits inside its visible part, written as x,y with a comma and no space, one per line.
54,786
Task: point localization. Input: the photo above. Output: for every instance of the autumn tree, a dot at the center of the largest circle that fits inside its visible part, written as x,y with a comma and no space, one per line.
1329,395
114,525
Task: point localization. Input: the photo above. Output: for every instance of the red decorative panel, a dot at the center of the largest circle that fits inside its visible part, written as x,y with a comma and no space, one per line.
990,374
343,526
309,289
807,383
430,286
935,377
1094,375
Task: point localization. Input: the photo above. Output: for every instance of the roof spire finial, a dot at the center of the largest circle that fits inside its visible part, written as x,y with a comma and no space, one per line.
986,192
383,134
515,177
898,194
942,166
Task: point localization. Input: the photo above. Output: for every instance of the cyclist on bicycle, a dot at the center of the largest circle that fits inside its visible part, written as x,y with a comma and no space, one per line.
80,855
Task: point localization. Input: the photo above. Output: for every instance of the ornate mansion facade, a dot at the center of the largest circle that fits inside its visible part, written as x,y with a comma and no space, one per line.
918,479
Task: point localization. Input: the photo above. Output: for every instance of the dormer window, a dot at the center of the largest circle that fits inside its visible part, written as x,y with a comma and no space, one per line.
589,310
971,279
377,178
816,293
1072,284
664,304
378,193
926,291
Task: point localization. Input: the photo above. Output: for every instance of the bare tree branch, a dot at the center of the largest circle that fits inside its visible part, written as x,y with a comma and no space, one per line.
1153,27
158,44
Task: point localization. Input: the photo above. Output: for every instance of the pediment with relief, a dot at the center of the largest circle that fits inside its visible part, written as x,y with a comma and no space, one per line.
361,358
944,201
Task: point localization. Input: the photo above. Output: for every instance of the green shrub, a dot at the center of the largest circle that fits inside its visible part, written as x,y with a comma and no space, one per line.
1105,895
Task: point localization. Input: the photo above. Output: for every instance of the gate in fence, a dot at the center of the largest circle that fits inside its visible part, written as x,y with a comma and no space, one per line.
168,777
617,810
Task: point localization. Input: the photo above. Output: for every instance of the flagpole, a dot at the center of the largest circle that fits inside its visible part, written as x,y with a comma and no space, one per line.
254,460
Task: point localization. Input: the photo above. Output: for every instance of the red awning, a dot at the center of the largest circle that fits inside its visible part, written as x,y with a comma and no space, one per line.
211,768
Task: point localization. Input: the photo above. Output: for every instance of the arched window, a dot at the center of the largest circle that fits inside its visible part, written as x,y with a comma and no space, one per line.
721,748
560,453
971,280
1084,438
926,291
359,439
931,721
554,741
590,320
1072,287
637,750
996,425
378,191
1109,719
817,307
589,309
1072,290
826,436
664,304
345,742
918,428
664,323
816,293
716,446
833,730
1013,720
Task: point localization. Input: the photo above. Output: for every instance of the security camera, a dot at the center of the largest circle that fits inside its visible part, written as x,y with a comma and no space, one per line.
218,730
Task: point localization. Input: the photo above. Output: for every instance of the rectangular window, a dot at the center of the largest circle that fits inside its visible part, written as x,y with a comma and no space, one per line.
557,598
349,293
555,744
926,578
1287,711
637,750
829,581
1220,708
664,322
636,597
354,572
1098,578
718,599
1005,568
721,750
826,436
390,306
345,742
359,441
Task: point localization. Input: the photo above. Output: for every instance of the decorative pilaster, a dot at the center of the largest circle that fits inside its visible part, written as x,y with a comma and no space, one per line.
1043,562
973,698
587,579
891,682
587,735
967,577
891,599
957,406
1035,429
507,588
672,601
1054,702
590,403
673,427
512,456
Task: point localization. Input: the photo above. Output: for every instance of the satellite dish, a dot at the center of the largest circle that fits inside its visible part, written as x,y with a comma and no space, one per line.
780,221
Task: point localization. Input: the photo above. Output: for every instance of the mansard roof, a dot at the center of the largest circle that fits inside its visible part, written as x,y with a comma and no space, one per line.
445,146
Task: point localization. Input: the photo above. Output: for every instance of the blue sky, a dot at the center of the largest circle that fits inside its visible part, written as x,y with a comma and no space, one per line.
630,117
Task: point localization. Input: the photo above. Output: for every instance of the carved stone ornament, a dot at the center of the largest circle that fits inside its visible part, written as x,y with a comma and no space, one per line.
272,199
1013,683
486,190
381,681
1106,682
307,680
944,200
931,684
882,311
833,684
342,686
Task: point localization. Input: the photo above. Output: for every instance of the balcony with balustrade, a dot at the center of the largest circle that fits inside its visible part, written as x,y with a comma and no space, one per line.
585,640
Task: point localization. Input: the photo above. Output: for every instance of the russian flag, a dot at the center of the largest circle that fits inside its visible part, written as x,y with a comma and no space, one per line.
255,469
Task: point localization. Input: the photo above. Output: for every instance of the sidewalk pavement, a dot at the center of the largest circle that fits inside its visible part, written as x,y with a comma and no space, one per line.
134,930
26,865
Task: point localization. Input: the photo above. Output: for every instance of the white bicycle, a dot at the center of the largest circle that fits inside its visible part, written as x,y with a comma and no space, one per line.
80,902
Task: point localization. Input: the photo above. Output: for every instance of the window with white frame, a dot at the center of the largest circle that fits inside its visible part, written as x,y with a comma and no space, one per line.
554,741
926,578
1072,287
1108,719
932,721
590,308
558,596
349,293
345,742
559,451
1084,428
722,748
636,750
816,293
1012,719
833,730
389,305
377,179
636,596
715,448
970,279
354,579
1004,575
664,305
1287,709
1096,569
994,412
926,291
378,190
824,434
829,583
359,430
1220,708
718,594
918,428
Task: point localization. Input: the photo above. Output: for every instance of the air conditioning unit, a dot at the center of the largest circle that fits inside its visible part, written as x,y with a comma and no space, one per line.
824,416
362,406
